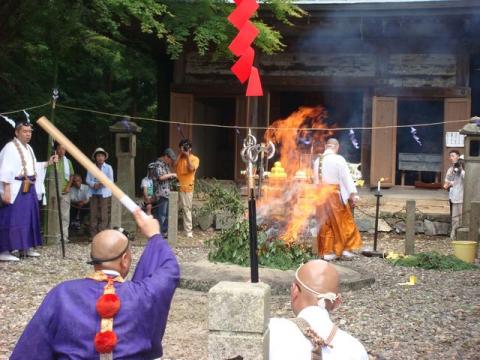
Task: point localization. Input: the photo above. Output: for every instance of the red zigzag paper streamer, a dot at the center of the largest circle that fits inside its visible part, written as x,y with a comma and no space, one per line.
241,46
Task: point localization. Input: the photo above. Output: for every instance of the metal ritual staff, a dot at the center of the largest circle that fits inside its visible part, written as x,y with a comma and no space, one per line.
57,189
374,252
249,155
243,69
265,150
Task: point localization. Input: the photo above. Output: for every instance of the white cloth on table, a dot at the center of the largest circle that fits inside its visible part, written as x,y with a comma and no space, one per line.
287,341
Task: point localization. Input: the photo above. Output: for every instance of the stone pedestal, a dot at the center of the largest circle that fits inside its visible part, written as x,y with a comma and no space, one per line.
238,315
462,233
116,213
125,151
172,218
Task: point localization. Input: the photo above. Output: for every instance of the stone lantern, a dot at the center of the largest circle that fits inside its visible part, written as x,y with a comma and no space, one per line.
125,150
472,166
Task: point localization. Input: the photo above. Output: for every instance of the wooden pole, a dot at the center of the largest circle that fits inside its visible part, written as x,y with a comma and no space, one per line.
410,231
87,164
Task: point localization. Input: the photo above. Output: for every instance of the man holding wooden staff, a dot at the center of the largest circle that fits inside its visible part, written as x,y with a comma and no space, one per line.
21,187
103,316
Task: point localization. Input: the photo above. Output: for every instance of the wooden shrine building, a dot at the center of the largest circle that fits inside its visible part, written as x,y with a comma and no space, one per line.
369,63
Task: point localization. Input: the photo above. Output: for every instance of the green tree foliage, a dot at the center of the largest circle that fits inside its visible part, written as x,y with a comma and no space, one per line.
104,54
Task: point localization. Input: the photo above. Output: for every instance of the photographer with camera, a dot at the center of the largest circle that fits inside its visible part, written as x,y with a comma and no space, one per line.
185,167
454,184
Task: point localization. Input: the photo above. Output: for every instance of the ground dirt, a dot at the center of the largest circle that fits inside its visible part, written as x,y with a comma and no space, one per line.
437,318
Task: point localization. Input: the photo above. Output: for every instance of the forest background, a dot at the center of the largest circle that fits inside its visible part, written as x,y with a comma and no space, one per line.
114,56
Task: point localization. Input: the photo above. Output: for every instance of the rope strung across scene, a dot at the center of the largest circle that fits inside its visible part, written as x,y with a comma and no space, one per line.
25,109
237,127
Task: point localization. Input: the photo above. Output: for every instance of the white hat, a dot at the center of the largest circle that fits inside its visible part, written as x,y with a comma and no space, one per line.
99,150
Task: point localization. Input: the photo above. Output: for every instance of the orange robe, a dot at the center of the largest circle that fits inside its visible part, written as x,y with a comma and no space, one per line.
339,231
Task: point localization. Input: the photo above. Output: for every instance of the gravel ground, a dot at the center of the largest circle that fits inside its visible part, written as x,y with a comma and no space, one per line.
437,318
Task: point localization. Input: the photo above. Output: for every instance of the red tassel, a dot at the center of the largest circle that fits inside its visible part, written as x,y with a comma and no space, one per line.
105,342
108,305
254,87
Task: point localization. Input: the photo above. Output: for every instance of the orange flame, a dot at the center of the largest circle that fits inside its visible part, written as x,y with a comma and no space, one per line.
293,140
295,199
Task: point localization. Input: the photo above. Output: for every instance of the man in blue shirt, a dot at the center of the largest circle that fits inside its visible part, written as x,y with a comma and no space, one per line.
101,196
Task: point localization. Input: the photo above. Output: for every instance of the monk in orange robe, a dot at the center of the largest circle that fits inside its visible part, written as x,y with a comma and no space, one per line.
338,235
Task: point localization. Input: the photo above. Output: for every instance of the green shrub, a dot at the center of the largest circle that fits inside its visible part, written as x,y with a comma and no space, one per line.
219,197
233,246
433,261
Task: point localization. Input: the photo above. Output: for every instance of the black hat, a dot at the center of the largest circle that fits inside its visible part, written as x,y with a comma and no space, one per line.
22,122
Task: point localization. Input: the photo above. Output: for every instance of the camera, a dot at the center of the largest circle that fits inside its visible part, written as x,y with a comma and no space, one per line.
458,166
185,145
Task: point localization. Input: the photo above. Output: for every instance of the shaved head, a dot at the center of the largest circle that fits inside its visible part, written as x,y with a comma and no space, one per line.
111,244
333,141
318,276
333,144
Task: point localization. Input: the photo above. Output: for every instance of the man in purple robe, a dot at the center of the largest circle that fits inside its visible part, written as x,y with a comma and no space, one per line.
68,324
21,187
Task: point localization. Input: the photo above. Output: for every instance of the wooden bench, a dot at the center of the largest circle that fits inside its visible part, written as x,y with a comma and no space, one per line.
420,162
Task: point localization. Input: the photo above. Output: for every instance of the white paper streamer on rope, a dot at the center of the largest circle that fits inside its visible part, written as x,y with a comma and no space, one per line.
27,115
353,139
413,131
55,94
10,121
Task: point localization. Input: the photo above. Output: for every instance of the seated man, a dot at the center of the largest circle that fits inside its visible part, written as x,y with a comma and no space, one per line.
314,293
79,201
102,315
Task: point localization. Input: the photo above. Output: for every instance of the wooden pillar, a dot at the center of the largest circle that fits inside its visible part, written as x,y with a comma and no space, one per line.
410,231
365,151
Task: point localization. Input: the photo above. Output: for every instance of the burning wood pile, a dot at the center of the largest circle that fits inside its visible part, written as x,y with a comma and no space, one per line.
287,208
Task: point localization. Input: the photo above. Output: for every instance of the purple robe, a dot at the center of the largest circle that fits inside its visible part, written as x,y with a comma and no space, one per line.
20,222
65,324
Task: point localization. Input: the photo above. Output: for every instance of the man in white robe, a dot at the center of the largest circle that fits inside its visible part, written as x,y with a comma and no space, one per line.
21,187
314,293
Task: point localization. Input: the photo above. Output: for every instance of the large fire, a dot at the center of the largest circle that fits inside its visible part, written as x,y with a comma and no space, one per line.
288,205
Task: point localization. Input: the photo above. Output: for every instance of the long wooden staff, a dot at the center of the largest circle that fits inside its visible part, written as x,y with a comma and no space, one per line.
86,163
